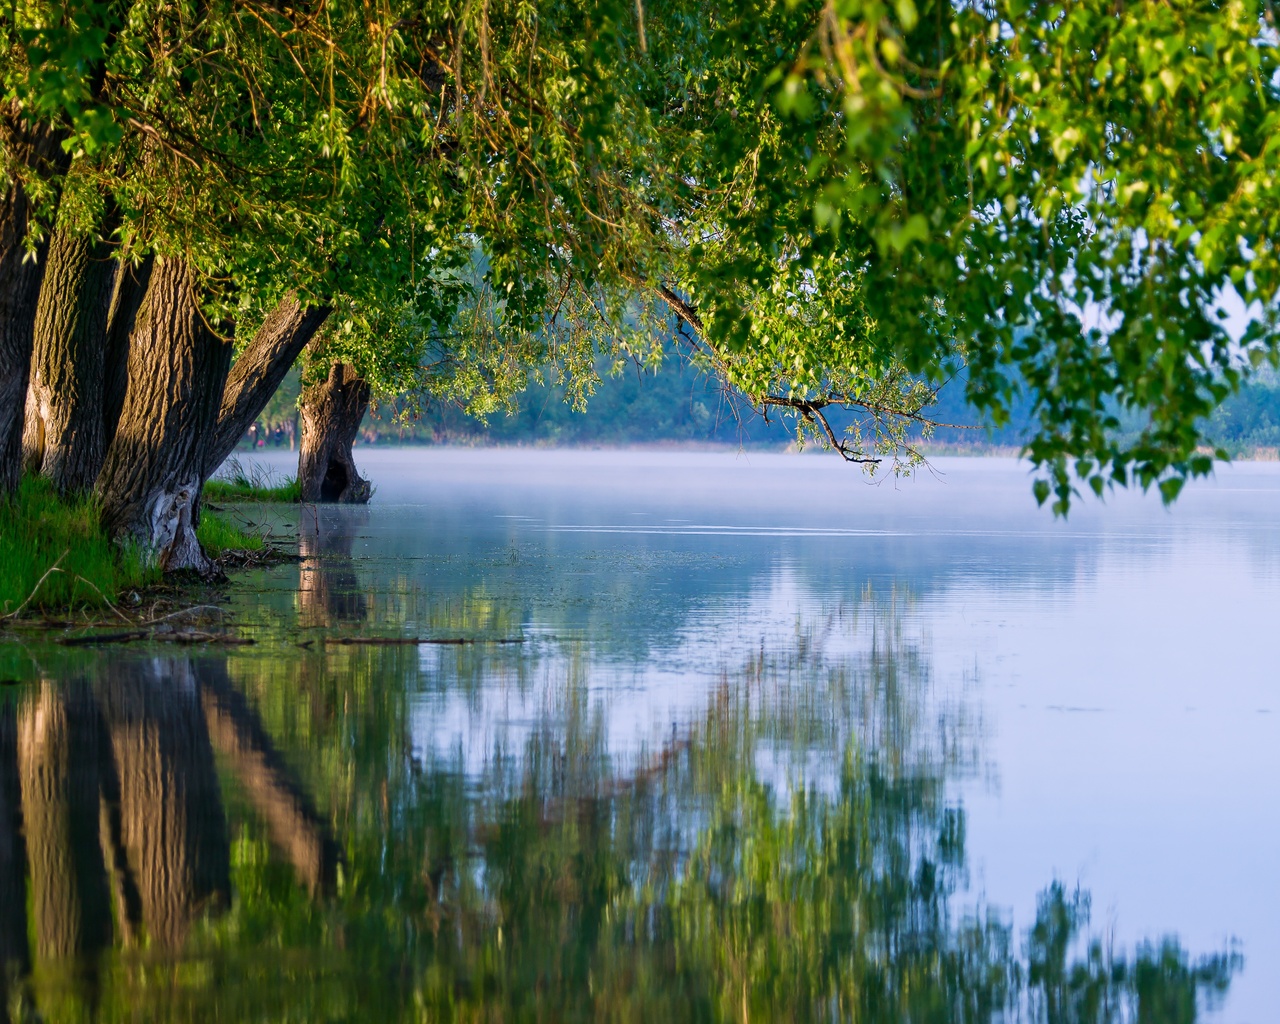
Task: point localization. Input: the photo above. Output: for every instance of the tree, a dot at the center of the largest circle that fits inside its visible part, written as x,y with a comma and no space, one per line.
835,204
1049,196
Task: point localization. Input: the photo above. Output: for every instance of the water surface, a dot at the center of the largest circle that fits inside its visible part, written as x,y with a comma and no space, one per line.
732,737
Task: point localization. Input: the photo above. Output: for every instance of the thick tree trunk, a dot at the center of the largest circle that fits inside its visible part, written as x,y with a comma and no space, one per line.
295,828
258,371
63,437
331,413
38,151
150,484
126,300
58,731
173,827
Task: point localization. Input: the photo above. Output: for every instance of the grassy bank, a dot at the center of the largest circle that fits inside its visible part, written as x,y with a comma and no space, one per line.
218,535
54,554
236,483
43,536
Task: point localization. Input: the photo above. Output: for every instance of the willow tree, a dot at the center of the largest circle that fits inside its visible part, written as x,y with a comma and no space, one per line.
1048,198
243,198
850,204
836,204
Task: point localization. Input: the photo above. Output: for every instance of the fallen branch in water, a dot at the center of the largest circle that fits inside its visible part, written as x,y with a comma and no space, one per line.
164,637
396,641
199,611
102,638
196,637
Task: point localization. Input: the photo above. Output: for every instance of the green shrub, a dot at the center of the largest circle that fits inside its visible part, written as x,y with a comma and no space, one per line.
39,530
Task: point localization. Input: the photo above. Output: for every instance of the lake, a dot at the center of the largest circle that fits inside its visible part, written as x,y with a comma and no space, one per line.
711,736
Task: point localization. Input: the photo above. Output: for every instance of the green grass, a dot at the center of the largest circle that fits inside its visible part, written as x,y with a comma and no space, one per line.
218,534
40,530
236,483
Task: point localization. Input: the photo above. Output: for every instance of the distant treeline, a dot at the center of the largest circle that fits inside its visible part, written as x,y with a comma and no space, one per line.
680,405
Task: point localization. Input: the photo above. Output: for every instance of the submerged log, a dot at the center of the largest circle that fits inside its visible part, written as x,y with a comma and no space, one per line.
154,471
331,413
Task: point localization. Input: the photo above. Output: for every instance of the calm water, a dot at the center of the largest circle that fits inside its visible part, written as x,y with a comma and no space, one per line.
772,744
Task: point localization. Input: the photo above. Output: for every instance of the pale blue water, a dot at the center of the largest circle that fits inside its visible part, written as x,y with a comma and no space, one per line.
1110,682
712,737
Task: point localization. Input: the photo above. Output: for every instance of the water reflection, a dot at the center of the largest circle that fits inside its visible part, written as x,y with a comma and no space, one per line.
329,591
221,837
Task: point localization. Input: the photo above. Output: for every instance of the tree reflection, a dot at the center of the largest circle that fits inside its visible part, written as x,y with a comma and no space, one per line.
112,824
794,850
58,747
793,853
173,829
329,590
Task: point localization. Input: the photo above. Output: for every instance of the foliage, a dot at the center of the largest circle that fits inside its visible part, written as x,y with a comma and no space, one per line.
42,533
838,204
1058,193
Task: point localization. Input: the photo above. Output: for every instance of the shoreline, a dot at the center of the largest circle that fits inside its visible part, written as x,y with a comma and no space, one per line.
964,451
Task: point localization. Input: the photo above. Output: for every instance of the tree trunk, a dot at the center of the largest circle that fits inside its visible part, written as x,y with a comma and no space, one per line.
295,828
150,484
258,371
126,299
63,438
331,413
36,151
173,827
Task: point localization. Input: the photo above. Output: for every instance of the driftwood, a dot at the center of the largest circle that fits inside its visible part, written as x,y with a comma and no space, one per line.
102,638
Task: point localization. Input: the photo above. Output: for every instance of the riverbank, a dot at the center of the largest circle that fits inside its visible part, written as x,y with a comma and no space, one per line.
55,558
281,455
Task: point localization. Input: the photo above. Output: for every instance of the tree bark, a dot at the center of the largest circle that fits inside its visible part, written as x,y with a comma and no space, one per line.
258,371
295,828
36,150
126,300
331,413
63,437
150,484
